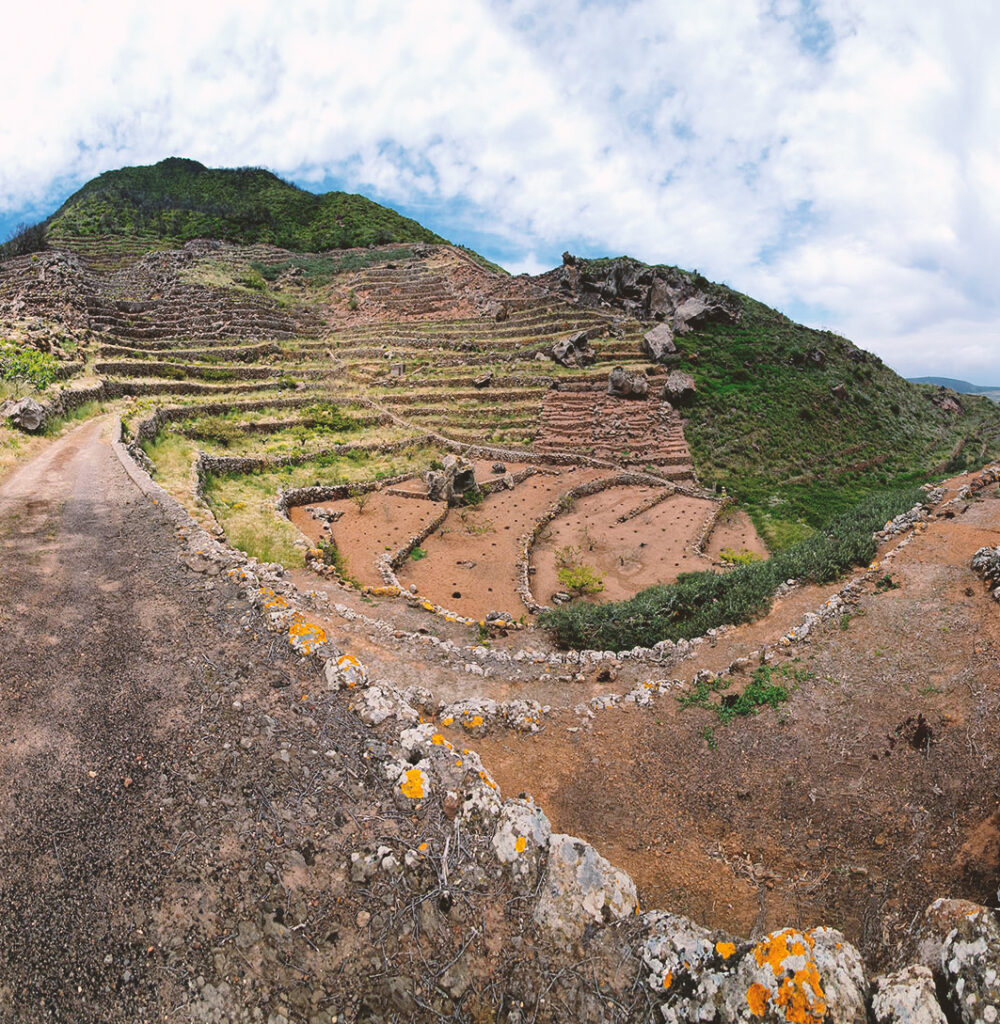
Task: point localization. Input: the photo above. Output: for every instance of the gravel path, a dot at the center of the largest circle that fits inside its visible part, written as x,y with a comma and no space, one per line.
158,816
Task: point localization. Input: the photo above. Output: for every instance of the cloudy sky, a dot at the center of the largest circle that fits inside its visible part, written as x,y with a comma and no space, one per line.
839,159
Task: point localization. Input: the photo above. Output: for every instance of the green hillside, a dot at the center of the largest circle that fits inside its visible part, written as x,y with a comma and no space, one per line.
799,424
182,199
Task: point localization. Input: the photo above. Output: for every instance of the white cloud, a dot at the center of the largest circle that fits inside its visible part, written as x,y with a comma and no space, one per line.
825,153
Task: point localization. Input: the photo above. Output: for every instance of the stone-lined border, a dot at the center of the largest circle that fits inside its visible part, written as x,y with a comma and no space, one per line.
562,505
688,972
246,464
702,542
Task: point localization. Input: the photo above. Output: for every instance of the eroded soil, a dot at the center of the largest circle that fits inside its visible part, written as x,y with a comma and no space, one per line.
867,795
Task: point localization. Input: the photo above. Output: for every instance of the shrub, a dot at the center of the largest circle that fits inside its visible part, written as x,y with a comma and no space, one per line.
744,557
699,601
217,429
580,580
26,366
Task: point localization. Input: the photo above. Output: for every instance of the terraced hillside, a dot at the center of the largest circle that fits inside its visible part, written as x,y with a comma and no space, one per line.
420,455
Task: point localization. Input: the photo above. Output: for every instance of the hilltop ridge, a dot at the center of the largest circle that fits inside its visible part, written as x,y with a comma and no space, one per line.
181,199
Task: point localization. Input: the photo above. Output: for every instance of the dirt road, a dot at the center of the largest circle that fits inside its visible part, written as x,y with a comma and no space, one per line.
164,816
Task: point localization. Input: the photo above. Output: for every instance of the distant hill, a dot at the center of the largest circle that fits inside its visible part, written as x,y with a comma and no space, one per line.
182,199
963,387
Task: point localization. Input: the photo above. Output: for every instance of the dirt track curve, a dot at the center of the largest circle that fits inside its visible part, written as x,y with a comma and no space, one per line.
165,814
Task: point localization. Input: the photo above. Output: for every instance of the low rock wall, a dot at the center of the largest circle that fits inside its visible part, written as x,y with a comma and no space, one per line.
579,901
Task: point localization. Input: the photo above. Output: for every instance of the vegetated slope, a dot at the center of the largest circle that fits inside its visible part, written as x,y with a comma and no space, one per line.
182,199
797,424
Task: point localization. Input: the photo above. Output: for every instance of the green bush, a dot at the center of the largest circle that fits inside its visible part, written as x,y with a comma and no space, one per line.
215,428
700,601
580,580
22,366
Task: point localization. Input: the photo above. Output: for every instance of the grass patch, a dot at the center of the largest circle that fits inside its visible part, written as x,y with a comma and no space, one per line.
700,601
764,690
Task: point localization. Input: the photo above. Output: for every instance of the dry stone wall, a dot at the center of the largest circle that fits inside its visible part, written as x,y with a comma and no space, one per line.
579,901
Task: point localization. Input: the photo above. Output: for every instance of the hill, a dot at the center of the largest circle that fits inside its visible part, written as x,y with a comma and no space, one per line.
182,199
963,387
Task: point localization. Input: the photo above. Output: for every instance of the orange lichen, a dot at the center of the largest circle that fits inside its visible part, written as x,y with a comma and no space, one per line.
668,979
800,992
725,949
308,634
437,739
489,782
447,721
520,843
413,785
474,722
757,999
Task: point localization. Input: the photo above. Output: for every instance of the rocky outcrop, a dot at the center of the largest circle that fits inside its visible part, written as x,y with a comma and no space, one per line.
581,887
682,300
623,383
454,483
25,414
679,388
574,351
947,401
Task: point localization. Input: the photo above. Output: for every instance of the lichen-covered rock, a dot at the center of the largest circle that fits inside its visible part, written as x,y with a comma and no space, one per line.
970,965
939,920
411,783
381,701
907,997
690,969
521,842
581,888
345,673
812,977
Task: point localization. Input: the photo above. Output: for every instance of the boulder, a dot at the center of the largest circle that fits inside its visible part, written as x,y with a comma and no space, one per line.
679,388
624,384
453,483
483,381
25,414
574,350
697,311
521,842
907,997
960,942
581,889
658,343
839,391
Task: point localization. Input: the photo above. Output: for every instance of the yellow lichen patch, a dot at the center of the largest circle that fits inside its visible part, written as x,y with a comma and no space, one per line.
414,784
307,634
725,949
348,661
439,741
757,999
520,843
422,847
474,722
489,782
668,979
800,992
447,721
